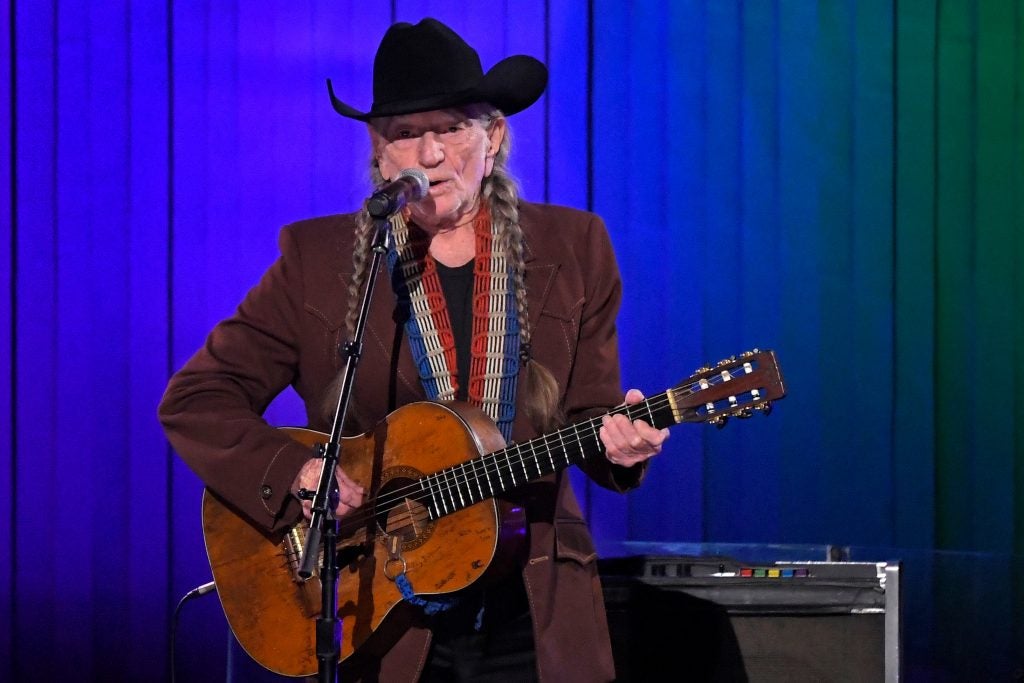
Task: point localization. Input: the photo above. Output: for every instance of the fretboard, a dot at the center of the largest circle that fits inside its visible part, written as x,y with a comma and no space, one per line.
454,488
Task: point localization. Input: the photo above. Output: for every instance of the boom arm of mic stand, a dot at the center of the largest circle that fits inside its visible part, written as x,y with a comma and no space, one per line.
322,522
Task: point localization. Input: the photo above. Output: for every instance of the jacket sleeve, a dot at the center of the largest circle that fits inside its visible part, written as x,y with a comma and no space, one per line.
211,410
594,386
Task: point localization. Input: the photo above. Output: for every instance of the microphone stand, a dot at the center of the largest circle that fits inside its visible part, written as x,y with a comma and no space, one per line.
325,498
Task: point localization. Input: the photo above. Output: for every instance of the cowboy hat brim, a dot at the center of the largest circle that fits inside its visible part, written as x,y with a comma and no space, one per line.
512,85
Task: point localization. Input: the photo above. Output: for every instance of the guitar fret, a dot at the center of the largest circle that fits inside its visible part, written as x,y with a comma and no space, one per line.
440,492
487,476
564,450
477,478
511,474
426,487
522,461
458,486
458,474
435,489
536,461
568,460
650,415
458,489
470,477
597,438
497,468
579,444
448,488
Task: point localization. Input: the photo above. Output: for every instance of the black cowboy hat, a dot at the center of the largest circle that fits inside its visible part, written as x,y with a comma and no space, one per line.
428,66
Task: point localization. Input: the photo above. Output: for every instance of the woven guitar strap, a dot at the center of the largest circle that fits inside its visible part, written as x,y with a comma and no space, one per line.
494,356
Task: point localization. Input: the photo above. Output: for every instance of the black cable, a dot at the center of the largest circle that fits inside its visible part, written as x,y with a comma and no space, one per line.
194,593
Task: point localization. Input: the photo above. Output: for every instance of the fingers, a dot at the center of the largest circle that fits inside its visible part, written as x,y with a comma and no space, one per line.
350,494
653,437
636,438
633,396
630,442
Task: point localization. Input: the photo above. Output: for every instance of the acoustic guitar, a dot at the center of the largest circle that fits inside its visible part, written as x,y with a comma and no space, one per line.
433,520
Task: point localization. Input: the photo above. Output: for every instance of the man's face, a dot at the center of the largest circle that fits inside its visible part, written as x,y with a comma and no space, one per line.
455,151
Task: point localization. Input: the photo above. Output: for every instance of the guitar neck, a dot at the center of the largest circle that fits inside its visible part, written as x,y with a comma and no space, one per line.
733,387
454,488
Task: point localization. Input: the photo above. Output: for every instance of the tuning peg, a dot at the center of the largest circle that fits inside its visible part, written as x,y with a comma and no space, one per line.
702,369
719,421
726,361
765,408
744,413
748,354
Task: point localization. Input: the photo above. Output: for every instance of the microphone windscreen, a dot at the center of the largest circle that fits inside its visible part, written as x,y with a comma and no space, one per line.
422,184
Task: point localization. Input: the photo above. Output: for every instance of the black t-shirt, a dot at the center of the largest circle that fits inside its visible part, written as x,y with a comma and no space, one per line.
457,285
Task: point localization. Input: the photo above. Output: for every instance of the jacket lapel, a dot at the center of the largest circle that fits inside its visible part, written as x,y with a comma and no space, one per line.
540,276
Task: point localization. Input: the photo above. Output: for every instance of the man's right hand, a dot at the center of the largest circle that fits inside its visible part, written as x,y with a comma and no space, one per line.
350,494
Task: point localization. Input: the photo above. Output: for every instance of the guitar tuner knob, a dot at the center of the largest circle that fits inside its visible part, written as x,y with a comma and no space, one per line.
744,413
702,369
720,421
747,354
765,408
727,361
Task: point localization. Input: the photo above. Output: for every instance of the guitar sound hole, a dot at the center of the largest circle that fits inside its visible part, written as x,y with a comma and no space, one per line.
402,516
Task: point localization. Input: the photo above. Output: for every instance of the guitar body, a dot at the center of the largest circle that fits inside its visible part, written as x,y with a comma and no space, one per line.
272,612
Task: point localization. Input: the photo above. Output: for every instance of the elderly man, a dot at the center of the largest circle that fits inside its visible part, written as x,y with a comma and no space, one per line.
501,304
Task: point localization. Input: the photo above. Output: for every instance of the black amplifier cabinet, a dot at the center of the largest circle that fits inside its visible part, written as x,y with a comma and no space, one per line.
717,619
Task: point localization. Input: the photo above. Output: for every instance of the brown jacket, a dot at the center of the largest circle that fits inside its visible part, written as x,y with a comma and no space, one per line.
288,329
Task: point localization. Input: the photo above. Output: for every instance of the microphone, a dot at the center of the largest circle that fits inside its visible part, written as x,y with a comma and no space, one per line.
411,185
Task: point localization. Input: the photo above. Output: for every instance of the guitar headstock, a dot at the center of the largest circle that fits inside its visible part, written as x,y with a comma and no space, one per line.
736,386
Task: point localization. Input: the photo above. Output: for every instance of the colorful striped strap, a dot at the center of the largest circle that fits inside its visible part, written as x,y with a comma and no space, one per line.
494,356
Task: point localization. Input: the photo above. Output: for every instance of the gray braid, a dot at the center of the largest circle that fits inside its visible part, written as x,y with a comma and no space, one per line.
501,192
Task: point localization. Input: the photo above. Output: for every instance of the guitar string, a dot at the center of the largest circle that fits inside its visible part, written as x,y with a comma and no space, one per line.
386,503
657,402
448,487
555,438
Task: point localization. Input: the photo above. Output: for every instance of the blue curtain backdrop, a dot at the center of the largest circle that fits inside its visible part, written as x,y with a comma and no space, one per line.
842,181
